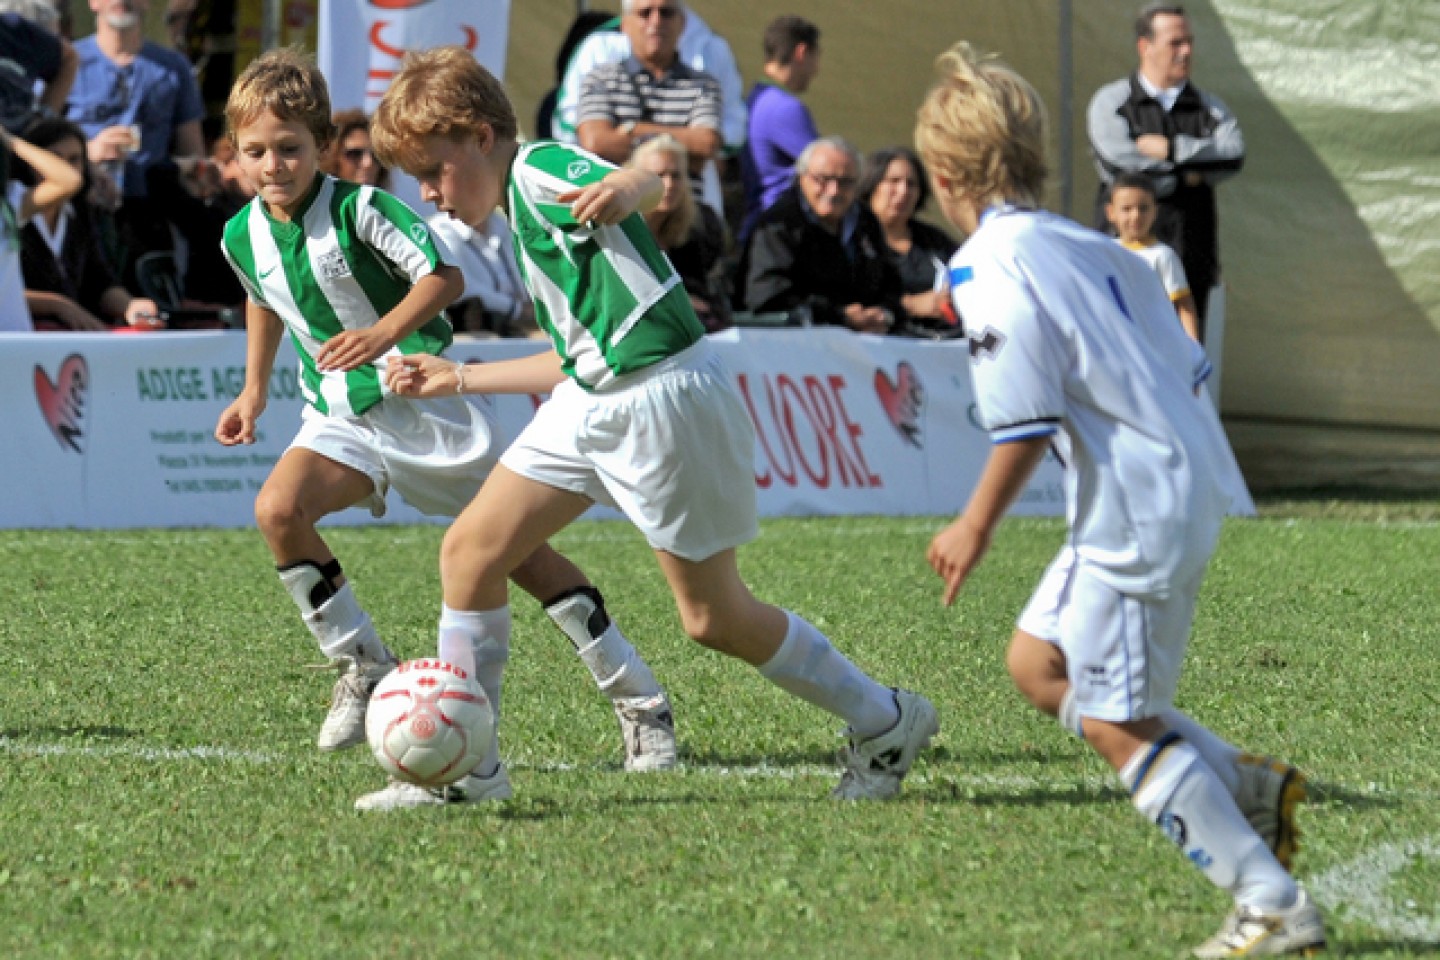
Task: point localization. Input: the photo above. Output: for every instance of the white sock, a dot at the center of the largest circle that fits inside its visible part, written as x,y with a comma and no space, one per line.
1218,755
619,670
488,634
338,625
808,666
1177,791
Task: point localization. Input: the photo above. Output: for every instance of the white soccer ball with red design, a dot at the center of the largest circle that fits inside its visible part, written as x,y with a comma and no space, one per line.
429,722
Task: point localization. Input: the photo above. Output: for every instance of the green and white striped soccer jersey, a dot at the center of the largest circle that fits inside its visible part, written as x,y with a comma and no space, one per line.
348,256
608,297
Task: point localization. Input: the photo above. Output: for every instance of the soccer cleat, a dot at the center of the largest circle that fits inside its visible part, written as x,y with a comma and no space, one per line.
1268,794
875,767
647,725
344,725
1247,932
399,795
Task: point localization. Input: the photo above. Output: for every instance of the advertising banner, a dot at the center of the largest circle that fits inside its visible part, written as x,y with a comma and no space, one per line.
362,42
112,431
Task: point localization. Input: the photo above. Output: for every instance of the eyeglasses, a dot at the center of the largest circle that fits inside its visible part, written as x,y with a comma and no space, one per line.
823,180
664,13
357,154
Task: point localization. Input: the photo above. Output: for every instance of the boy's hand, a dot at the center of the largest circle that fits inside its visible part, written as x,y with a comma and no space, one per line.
598,205
611,200
955,552
353,348
237,422
422,375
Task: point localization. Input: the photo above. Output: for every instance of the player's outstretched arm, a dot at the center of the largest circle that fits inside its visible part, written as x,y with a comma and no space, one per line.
958,549
422,375
263,330
430,294
619,194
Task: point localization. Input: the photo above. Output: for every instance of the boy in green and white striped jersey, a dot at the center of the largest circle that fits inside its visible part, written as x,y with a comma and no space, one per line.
354,276
642,416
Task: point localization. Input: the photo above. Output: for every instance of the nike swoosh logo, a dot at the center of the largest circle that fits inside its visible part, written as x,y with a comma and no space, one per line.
266,273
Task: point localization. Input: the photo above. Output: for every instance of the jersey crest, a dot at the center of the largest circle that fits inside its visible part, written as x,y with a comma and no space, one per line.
333,265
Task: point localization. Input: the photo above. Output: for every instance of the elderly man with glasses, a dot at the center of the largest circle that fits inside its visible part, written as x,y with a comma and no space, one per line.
818,254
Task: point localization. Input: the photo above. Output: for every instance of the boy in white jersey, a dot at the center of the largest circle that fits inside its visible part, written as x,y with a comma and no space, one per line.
354,276
1074,344
1131,210
642,414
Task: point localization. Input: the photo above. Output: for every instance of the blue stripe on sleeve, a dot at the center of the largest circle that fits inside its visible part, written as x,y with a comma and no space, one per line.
959,275
1024,431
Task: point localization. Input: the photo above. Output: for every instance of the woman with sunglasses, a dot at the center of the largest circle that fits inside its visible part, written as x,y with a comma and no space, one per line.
350,158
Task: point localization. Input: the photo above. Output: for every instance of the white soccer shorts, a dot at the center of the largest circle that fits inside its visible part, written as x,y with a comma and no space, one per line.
671,447
435,453
1123,652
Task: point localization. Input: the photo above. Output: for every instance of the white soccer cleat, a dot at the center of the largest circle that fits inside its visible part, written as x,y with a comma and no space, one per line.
344,725
399,795
647,725
1247,932
875,767
1268,794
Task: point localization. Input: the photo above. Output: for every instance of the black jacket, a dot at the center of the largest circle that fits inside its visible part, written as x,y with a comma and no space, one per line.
792,262
80,272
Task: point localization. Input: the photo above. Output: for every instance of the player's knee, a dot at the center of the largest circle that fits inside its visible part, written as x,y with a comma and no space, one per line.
1038,671
1029,680
706,628
469,557
276,514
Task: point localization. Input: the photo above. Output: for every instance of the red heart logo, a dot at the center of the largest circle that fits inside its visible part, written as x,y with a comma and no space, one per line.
62,401
902,399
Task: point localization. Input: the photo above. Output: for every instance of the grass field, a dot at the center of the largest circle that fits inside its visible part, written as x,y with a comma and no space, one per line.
160,796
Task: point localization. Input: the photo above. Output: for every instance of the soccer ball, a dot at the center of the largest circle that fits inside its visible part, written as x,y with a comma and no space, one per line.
429,722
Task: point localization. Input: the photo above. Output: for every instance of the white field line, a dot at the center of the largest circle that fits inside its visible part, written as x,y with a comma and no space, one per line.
161,754
1359,889
762,770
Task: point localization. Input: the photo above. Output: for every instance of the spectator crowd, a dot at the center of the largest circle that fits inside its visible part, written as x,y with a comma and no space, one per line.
765,218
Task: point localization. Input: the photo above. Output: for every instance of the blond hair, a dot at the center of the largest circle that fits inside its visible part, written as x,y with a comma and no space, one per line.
288,84
670,228
982,129
442,92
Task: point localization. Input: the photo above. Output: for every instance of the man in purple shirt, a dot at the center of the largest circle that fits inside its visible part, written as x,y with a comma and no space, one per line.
780,124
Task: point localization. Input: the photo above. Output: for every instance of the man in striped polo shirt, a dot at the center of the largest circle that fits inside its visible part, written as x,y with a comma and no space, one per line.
356,277
651,92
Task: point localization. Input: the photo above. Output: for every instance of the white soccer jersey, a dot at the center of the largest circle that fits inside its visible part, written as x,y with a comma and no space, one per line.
1165,262
349,256
1072,336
